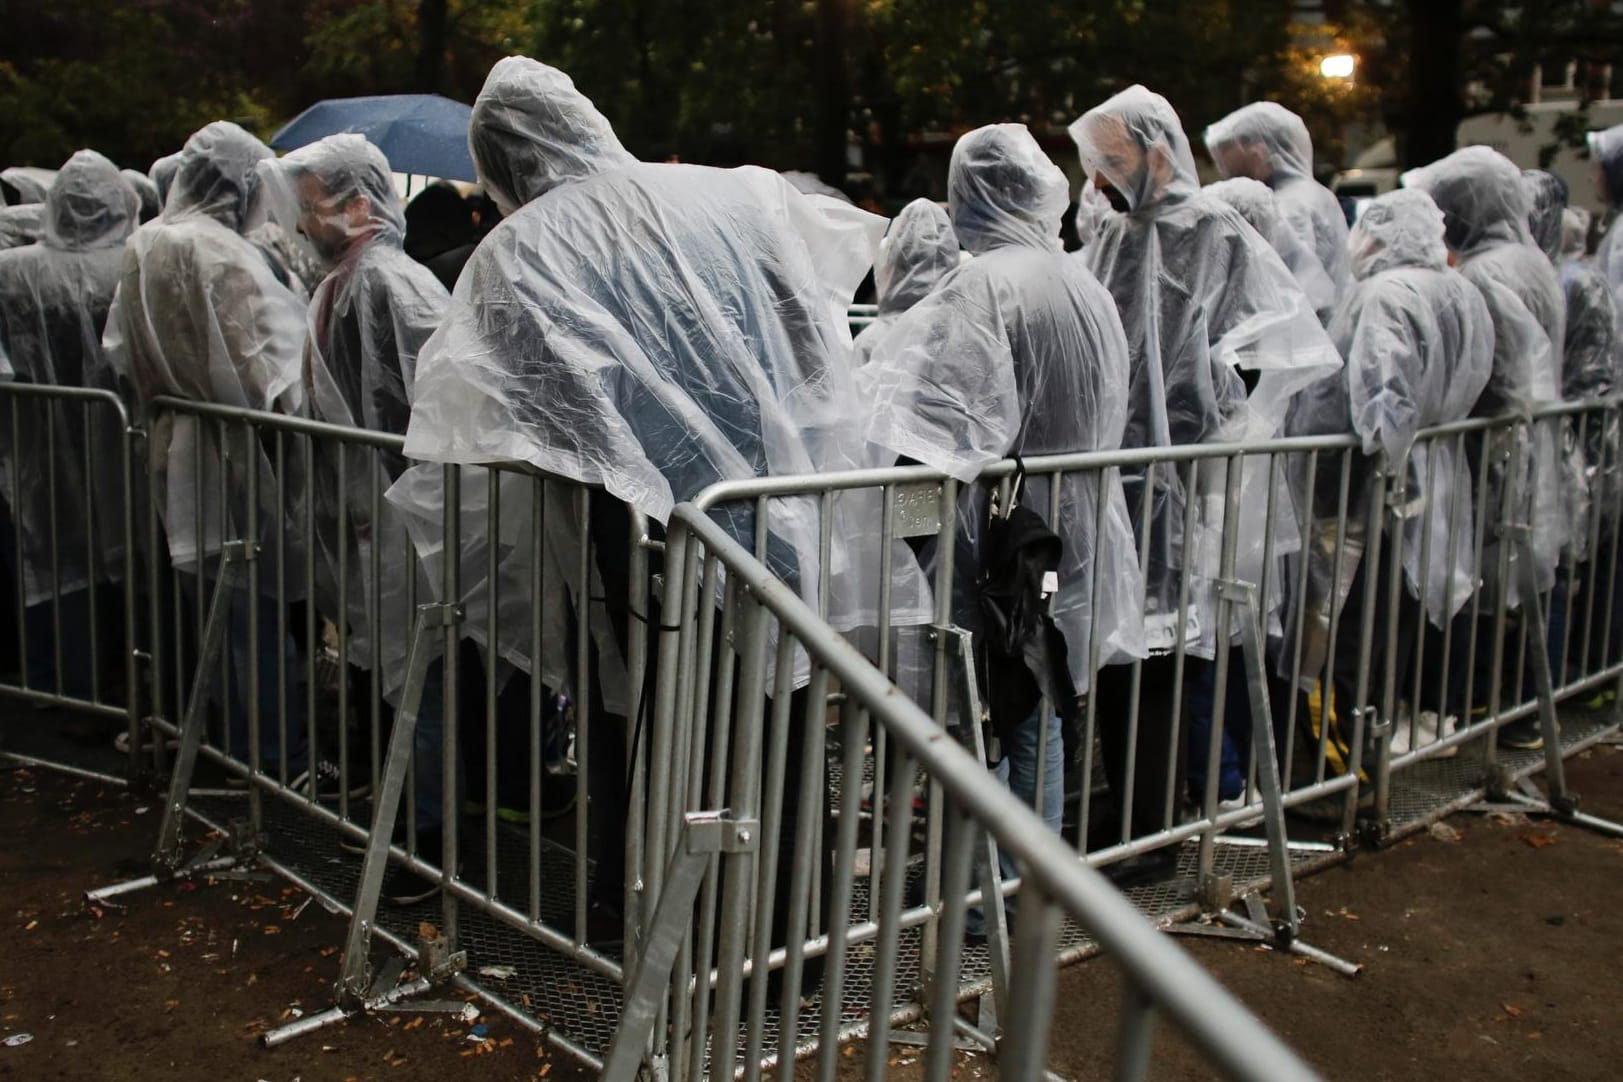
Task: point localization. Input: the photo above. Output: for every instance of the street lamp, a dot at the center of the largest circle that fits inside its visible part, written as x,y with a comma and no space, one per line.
1338,66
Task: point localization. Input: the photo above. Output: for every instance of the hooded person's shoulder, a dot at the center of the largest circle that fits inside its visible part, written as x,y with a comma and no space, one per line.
384,268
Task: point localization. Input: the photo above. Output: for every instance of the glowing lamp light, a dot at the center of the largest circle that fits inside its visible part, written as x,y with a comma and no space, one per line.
1338,66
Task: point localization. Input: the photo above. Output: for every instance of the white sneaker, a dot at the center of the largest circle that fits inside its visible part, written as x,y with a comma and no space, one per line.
1429,728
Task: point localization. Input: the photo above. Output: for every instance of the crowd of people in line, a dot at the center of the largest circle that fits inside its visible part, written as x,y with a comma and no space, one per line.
648,329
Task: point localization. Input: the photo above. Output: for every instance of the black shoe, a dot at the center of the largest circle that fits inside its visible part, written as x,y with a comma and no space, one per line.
402,886
1143,870
323,782
1523,735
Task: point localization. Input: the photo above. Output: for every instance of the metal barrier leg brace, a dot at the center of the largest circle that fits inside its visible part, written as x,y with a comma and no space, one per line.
168,858
987,871
360,988
1523,796
1254,926
704,834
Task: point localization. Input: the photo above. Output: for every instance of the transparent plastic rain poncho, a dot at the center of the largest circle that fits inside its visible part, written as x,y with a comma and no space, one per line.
1575,223
1201,295
1485,225
1266,141
145,191
21,225
917,252
1606,149
200,315
655,329
1091,210
163,173
368,321
1258,206
1591,364
1019,352
1418,341
28,182
54,299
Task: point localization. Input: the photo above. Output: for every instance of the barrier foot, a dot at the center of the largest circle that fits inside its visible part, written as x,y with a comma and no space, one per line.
1527,800
1254,927
102,897
391,999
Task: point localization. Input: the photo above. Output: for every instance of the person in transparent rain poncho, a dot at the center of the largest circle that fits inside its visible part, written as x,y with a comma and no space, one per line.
653,329
1606,151
1267,142
60,464
1418,342
1259,207
1091,210
1575,223
1020,352
1590,372
200,315
1221,339
917,252
24,184
21,225
368,320
146,191
162,173
1485,228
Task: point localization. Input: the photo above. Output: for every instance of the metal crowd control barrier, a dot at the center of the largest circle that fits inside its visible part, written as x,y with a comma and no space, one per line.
299,630
1505,659
719,907
919,503
292,523
68,556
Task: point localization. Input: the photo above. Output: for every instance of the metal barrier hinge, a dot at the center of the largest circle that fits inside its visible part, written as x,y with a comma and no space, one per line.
1239,591
718,832
957,639
245,551
441,614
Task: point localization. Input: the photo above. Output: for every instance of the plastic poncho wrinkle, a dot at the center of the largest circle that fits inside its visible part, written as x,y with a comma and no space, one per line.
918,250
1020,351
217,176
531,130
654,329
55,297
145,191
30,183
340,193
1002,189
1201,295
199,314
1481,195
1257,205
91,205
1136,142
1267,142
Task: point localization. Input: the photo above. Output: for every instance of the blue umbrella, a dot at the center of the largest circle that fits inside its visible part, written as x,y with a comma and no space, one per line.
419,133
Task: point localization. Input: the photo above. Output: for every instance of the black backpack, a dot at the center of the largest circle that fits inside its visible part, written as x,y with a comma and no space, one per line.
1023,653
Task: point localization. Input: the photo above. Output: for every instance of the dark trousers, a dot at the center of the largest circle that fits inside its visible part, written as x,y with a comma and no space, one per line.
1349,636
612,736
1158,748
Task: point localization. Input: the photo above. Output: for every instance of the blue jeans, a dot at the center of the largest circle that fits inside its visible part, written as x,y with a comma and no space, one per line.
1018,770
271,692
1236,745
428,746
